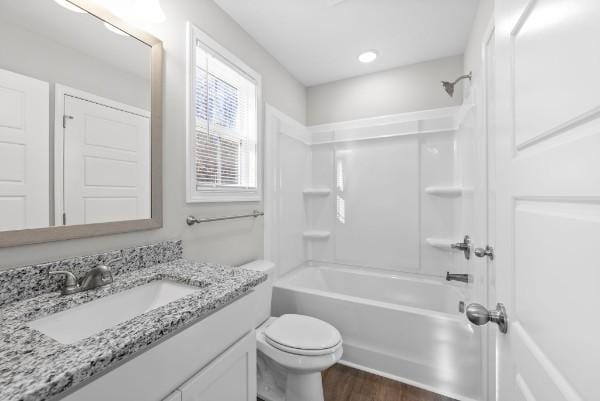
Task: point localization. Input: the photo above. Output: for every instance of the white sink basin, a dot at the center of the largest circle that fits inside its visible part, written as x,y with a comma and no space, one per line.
83,321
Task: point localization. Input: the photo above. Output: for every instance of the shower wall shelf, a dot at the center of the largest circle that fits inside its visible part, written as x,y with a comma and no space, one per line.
441,243
445,191
316,191
316,234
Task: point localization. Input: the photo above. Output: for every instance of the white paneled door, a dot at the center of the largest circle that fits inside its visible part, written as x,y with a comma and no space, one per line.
24,152
106,175
548,198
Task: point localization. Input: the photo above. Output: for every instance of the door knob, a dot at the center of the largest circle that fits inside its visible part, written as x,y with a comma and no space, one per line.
479,315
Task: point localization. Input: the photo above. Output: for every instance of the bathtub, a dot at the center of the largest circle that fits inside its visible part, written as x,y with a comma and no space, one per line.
407,329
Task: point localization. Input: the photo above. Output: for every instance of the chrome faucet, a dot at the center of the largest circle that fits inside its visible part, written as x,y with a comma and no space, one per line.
463,278
97,277
464,246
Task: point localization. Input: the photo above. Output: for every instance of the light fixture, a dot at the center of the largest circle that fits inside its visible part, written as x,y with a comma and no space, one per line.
368,56
114,29
69,6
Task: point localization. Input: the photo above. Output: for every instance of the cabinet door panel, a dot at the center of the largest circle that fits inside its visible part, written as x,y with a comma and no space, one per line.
230,377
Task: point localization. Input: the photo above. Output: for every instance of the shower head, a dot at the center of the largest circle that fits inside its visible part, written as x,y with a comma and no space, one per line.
449,86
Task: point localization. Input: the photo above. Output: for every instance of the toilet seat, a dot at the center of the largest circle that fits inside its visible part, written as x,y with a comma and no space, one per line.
303,335
294,361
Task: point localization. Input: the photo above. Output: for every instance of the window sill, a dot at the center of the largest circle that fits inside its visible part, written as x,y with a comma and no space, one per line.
216,197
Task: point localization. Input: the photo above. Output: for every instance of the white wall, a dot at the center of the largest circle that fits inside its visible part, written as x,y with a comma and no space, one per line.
226,242
400,90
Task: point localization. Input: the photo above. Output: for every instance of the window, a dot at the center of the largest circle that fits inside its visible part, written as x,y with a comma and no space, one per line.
223,124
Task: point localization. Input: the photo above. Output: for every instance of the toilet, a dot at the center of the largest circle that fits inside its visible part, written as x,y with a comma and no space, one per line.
293,350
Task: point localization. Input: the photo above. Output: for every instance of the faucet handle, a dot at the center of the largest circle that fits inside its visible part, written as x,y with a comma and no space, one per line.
106,277
71,282
464,246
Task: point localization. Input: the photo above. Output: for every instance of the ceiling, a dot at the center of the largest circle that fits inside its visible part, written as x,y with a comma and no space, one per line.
319,41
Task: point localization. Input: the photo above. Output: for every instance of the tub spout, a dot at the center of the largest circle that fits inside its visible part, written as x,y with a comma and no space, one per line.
463,278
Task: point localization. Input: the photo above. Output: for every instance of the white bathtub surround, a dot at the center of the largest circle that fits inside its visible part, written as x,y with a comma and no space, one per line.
317,192
441,243
448,192
405,328
316,234
364,192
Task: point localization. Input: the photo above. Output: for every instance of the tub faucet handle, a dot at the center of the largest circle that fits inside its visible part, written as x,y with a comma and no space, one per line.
464,246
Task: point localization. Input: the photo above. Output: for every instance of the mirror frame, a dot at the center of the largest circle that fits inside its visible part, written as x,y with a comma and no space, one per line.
60,233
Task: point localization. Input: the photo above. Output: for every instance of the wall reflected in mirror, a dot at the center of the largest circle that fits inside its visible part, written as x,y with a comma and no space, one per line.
74,118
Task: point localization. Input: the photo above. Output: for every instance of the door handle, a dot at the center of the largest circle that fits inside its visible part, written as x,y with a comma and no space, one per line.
479,315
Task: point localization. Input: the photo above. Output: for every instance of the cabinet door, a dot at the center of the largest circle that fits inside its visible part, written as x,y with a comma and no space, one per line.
175,396
230,377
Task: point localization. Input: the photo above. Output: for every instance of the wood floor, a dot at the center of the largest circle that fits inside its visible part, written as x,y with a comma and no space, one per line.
341,383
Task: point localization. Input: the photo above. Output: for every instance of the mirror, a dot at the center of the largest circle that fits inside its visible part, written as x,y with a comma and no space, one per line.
79,123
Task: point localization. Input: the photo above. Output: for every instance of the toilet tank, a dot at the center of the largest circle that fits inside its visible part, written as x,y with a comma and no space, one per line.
264,291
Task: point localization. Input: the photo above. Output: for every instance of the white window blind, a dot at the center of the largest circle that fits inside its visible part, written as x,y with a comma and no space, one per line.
225,137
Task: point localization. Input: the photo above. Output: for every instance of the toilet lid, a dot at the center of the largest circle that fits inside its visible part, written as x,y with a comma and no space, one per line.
302,333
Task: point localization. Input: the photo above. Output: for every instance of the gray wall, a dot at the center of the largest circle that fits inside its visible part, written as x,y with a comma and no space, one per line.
43,58
410,88
227,242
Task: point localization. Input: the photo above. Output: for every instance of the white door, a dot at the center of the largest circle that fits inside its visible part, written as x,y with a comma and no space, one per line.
230,377
548,198
24,152
106,174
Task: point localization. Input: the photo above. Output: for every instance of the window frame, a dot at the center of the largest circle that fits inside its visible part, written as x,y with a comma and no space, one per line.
219,194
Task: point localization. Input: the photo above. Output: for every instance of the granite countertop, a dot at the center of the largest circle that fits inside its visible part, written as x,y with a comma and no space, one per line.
35,367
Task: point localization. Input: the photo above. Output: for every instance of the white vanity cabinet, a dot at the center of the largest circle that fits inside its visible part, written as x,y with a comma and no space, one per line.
212,360
231,377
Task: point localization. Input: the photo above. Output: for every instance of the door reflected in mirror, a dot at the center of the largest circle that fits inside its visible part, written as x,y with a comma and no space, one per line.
75,121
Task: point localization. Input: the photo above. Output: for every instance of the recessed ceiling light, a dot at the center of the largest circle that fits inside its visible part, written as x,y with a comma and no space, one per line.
368,56
69,6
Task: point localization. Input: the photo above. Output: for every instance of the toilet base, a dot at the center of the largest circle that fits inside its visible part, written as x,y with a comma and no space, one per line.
271,379
304,387
275,383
